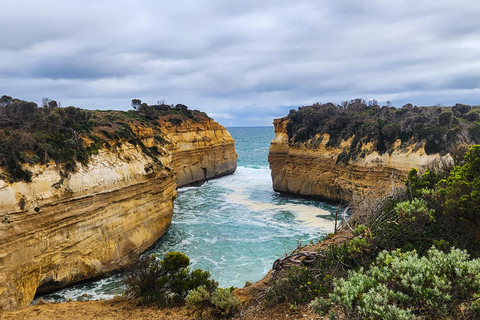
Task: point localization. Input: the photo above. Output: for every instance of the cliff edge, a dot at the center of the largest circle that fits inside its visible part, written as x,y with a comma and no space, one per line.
200,151
343,152
65,218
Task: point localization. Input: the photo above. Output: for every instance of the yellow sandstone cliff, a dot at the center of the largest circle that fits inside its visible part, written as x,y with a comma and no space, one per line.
62,228
200,150
312,170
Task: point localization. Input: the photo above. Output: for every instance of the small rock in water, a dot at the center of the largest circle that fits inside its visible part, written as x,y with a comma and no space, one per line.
85,295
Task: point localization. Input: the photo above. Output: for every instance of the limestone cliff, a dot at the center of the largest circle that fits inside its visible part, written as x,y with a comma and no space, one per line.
62,228
312,168
200,150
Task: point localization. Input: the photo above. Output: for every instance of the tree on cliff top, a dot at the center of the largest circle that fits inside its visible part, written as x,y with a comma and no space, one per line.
162,110
136,103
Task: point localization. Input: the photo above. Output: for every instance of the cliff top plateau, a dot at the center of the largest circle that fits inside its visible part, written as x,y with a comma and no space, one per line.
440,128
30,134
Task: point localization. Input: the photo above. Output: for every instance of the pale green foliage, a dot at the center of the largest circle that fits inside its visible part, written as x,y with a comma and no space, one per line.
403,285
197,296
197,300
224,300
221,299
408,210
360,230
320,306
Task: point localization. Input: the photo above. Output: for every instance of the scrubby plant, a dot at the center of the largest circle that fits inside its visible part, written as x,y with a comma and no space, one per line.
221,300
166,281
320,306
462,188
295,285
402,285
225,301
336,260
198,300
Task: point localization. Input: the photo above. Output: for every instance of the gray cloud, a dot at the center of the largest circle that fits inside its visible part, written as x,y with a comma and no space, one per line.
244,62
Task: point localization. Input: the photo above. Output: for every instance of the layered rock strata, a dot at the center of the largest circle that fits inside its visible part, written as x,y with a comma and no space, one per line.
62,228
200,150
309,169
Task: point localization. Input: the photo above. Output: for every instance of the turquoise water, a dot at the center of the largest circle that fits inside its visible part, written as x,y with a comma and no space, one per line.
235,226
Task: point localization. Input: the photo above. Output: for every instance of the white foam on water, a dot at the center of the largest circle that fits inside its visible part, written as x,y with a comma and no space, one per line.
103,289
307,214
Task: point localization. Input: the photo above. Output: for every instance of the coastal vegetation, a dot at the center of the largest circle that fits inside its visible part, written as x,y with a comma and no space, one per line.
32,134
413,253
170,281
439,128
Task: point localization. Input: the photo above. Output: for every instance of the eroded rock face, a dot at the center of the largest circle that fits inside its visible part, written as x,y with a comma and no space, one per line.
312,170
61,229
200,150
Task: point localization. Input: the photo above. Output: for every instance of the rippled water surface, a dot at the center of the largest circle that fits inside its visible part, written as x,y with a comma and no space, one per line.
235,226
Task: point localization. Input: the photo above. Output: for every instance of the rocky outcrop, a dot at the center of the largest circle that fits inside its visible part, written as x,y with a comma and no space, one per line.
63,228
201,150
313,169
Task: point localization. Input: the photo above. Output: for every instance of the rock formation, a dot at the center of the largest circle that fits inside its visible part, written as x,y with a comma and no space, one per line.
201,151
312,169
63,228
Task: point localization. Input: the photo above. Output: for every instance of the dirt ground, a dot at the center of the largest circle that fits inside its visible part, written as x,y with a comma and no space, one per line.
119,309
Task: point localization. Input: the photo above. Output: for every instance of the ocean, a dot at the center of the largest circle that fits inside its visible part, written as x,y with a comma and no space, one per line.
235,226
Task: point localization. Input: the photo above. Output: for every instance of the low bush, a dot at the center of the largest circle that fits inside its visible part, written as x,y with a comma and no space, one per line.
295,285
166,281
221,300
224,301
198,300
403,285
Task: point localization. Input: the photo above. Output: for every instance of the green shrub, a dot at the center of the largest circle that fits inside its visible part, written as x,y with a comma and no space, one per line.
166,281
221,300
175,121
321,306
403,285
462,188
198,300
336,260
295,285
417,208
224,301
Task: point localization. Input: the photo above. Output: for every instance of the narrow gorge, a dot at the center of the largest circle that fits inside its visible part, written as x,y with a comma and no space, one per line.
65,226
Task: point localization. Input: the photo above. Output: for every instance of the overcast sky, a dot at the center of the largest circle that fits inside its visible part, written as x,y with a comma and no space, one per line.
243,62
